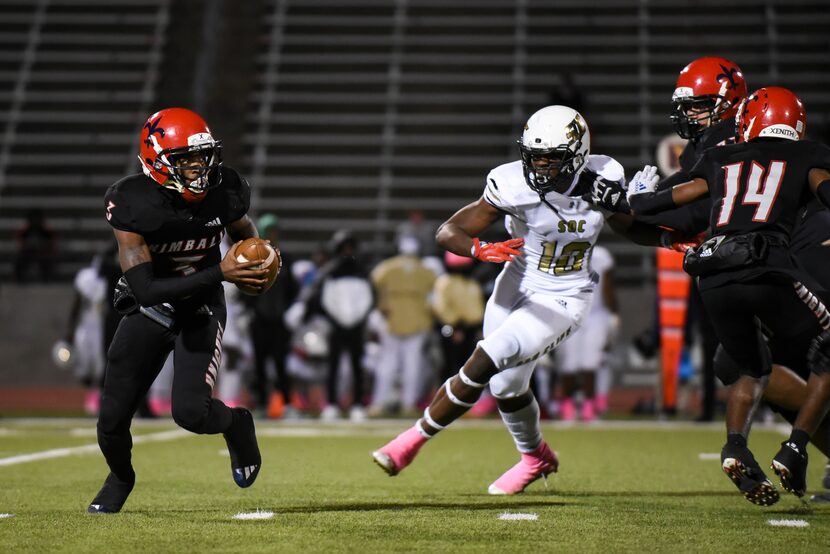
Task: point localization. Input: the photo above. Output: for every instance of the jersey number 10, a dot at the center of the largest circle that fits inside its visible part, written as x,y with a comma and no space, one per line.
569,260
764,197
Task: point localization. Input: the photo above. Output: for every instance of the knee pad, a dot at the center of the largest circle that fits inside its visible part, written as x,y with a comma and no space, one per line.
818,356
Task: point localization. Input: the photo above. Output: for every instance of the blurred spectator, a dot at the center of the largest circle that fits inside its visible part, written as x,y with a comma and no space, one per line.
403,284
85,331
421,230
270,335
307,361
35,258
581,356
458,303
343,293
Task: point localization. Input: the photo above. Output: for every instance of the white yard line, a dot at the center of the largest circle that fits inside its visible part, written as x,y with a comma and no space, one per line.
507,516
88,448
788,523
254,515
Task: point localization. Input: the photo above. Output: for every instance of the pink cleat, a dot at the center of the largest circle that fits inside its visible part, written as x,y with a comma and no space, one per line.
532,466
567,410
588,412
400,451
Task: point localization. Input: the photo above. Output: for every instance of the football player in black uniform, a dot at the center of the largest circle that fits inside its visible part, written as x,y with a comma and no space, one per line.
746,275
168,223
706,97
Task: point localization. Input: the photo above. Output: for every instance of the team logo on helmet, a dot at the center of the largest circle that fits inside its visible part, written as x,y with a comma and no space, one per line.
728,74
576,129
153,128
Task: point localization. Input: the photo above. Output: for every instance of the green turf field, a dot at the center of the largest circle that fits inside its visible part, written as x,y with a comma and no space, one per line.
620,488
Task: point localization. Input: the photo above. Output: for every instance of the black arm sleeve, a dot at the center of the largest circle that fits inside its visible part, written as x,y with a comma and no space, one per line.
652,203
149,290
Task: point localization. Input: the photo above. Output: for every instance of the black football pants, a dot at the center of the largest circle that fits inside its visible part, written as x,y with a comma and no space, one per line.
134,360
736,309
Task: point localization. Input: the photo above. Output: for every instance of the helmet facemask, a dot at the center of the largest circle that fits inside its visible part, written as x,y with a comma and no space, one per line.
189,168
690,113
550,169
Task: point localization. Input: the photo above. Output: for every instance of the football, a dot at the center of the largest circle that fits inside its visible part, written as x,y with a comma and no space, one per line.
254,249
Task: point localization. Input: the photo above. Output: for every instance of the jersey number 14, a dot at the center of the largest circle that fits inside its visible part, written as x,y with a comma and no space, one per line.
762,196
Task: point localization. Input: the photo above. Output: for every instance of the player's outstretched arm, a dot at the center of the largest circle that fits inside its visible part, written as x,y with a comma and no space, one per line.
136,263
652,235
644,200
459,234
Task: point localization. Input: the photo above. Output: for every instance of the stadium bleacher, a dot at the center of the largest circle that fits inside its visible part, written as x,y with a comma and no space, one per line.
364,109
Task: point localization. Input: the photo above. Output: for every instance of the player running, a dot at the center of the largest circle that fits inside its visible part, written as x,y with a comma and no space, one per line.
169,223
541,295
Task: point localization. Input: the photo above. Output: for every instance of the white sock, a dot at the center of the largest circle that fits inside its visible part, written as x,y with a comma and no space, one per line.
524,427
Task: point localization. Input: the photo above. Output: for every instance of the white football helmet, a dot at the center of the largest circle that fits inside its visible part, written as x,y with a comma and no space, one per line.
554,146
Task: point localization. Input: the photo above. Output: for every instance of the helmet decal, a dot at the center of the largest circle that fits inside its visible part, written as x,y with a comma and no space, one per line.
153,128
728,76
576,128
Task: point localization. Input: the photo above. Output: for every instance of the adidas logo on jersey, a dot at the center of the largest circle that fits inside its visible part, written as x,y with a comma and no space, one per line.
214,223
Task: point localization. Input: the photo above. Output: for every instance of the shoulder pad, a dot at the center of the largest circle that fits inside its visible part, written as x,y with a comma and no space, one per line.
238,193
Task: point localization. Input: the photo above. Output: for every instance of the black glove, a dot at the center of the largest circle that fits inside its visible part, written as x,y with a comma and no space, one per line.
608,195
123,299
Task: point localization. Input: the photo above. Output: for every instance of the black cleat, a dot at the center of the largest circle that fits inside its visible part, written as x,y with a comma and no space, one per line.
740,466
826,481
112,496
242,445
790,464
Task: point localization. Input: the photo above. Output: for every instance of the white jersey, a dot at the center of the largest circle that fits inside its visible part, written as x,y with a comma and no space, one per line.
558,244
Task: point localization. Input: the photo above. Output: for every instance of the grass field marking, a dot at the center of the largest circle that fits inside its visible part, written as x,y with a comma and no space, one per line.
708,456
88,448
507,516
83,432
788,523
254,515
4,516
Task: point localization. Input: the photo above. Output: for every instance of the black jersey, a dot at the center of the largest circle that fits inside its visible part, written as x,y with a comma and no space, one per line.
694,217
760,186
182,237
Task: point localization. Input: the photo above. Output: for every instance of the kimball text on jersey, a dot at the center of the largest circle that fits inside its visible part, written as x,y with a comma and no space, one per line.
186,245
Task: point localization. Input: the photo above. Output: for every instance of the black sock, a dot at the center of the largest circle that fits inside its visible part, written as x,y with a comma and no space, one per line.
736,439
800,438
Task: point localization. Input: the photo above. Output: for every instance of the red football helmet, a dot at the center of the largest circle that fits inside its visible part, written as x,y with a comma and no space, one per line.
773,112
707,89
176,142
